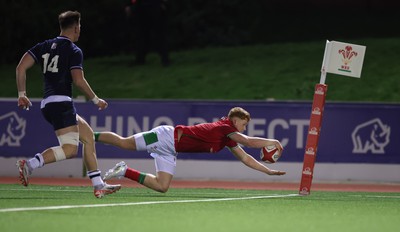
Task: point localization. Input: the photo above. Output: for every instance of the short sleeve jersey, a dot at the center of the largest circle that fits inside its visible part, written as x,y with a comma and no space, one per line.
57,57
206,137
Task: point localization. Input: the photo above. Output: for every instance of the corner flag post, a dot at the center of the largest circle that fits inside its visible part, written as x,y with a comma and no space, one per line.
346,59
325,61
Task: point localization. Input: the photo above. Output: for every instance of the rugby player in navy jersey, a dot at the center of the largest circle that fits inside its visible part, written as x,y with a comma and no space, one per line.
61,63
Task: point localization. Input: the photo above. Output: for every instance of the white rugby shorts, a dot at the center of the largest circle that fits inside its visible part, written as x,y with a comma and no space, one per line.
159,142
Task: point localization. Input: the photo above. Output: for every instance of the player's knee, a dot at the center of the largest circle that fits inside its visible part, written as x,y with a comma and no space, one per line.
87,137
59,153
86,140
86,134
64,152
70,150
163,188
68,144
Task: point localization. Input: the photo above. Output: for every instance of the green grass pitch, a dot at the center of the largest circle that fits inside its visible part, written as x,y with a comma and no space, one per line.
62,208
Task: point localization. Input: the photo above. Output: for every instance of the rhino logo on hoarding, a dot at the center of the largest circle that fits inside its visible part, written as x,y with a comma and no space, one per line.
12,129
371,136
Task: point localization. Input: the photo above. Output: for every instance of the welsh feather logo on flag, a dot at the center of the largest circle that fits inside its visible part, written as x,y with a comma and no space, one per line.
343,58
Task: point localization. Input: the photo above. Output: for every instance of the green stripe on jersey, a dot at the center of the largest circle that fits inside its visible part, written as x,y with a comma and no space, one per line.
150,138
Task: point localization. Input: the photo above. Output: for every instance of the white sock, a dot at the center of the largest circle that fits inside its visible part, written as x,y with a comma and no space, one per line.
40,158
95,177
36,162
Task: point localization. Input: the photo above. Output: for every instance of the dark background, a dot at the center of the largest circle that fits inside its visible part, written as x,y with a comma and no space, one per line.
198,23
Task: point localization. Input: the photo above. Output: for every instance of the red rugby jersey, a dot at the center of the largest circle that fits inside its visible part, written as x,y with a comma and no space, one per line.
206,137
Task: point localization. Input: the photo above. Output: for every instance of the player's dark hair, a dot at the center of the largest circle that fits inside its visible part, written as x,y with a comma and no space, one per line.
239,112
68,19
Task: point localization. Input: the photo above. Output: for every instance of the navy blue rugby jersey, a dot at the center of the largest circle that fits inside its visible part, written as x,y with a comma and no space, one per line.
57,57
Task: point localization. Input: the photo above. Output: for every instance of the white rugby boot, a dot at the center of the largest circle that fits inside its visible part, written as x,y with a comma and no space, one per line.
106,189
118,171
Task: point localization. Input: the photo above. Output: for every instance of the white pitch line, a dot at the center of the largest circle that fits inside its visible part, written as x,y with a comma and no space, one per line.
49,190
387,196
140,203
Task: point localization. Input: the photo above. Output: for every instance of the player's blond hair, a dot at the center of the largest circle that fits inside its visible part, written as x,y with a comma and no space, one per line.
239,112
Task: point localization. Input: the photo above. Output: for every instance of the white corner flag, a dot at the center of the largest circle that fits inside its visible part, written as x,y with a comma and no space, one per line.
342,59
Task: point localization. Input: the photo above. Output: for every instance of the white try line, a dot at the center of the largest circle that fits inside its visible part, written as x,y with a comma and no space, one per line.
141,203
387,196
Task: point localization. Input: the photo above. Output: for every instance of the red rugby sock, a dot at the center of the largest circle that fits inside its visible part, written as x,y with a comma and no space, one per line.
135,175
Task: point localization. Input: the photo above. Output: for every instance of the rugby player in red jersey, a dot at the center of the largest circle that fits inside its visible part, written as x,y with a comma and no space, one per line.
165,142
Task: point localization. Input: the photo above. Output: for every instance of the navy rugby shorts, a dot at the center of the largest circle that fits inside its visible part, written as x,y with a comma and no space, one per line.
60,114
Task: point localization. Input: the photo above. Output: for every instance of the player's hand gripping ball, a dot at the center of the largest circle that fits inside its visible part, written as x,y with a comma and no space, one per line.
270,154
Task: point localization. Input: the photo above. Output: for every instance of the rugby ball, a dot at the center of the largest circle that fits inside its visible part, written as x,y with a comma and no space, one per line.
270,154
